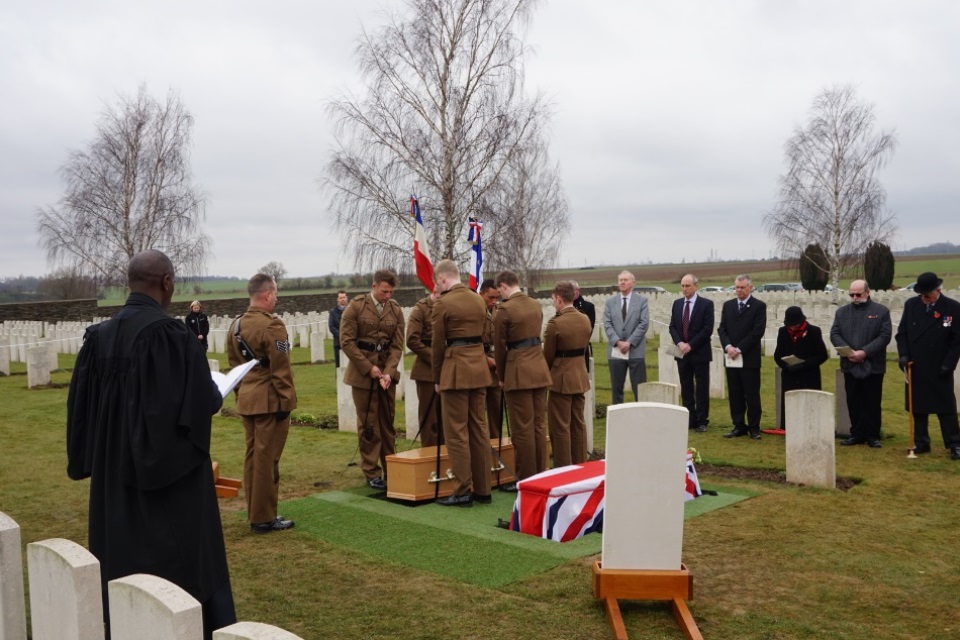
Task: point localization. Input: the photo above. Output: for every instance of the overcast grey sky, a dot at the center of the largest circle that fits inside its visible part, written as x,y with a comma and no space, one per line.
669,128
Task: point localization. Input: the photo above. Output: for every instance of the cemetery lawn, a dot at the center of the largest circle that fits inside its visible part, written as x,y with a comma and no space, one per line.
878,561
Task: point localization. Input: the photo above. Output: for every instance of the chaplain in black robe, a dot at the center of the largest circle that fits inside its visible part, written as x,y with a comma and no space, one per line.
138,425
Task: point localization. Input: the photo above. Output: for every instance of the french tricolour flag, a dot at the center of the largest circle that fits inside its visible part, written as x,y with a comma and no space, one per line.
476,253
421,252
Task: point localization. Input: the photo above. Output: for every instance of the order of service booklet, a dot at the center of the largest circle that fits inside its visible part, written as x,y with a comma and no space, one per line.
227,381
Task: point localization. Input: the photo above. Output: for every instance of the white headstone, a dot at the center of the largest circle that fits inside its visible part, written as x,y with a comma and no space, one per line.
214,364
66,602
667,366
38,366
145,607
590,406
718,376
811,445
13,619
316,348
346,410
644,488
4,355
411,406
253,631
663,392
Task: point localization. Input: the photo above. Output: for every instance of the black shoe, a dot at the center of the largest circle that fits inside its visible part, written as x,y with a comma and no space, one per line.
921,448
466,500
509,488
849,442
736,433
955,453
755,434
278,524
482,499
701,428
377,483
874,444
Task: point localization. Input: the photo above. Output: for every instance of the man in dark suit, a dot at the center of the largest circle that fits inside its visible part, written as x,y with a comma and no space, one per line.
691,324
588,309
928,340
743,321
626,318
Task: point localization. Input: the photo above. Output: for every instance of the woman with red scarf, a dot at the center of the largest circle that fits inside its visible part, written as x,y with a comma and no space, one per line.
804,342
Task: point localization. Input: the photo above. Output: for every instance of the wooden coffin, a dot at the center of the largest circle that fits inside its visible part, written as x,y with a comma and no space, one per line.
411,475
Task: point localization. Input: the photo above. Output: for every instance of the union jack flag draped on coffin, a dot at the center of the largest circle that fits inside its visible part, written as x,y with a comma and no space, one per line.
567,503
421,252
476,253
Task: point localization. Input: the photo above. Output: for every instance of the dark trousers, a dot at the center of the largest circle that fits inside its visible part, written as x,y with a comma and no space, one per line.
744,388
695,390
336,354
863,405
618,376
949,428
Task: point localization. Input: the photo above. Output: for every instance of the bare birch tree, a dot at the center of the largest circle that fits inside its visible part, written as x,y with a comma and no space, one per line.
442,117
527,218
129,191
830,194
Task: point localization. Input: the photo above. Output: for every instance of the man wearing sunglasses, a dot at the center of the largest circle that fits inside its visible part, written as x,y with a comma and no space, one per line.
928,339
863,326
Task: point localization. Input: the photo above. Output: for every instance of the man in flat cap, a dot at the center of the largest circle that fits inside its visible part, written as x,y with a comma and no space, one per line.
928,341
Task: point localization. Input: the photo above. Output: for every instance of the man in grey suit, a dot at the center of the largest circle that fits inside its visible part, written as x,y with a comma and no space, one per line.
626,317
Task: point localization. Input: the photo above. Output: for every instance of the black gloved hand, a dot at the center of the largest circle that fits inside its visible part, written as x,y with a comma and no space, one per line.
282,415
946,372
902,363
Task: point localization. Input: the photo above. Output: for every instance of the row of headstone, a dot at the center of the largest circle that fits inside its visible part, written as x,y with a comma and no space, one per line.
66,601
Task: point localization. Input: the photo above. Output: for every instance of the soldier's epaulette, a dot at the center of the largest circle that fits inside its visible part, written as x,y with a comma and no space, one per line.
360,298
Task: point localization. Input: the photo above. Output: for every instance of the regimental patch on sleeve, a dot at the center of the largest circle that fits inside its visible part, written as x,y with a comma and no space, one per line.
283,346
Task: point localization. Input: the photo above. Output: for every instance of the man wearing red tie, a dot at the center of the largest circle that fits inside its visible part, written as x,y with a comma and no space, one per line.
691,323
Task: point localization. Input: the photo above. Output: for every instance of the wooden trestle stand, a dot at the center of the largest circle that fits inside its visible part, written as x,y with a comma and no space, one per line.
226,487
611,585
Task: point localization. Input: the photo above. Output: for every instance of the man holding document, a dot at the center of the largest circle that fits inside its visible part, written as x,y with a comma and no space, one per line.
861,332
691,324
138,425
743,322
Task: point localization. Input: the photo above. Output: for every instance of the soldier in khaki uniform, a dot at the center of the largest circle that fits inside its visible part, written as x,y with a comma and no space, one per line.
265,398
523,372
419,334
371,336
565,342
462,376
490,295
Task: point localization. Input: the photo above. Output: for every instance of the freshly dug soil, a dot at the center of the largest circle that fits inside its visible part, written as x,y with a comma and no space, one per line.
763,475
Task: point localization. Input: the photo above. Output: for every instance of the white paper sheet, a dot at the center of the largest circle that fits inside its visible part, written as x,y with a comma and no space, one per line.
226,382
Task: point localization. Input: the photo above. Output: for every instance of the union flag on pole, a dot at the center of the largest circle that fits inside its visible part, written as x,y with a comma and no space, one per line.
421,252
476,253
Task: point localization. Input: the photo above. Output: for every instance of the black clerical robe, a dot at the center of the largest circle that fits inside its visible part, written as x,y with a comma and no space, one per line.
138,425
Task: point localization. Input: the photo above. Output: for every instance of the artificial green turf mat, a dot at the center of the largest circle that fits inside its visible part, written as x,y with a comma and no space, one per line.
451,541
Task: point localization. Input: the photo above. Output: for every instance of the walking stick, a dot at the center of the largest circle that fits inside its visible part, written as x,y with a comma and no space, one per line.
912,453
436,486
363,428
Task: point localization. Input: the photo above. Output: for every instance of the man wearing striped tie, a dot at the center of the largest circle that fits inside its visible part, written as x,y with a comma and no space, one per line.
691,324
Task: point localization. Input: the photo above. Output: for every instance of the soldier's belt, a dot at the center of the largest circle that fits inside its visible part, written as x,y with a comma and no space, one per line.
462,342
523,344
569,353
370,346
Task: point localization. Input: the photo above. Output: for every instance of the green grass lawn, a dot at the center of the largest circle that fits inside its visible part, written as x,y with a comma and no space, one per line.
878,561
